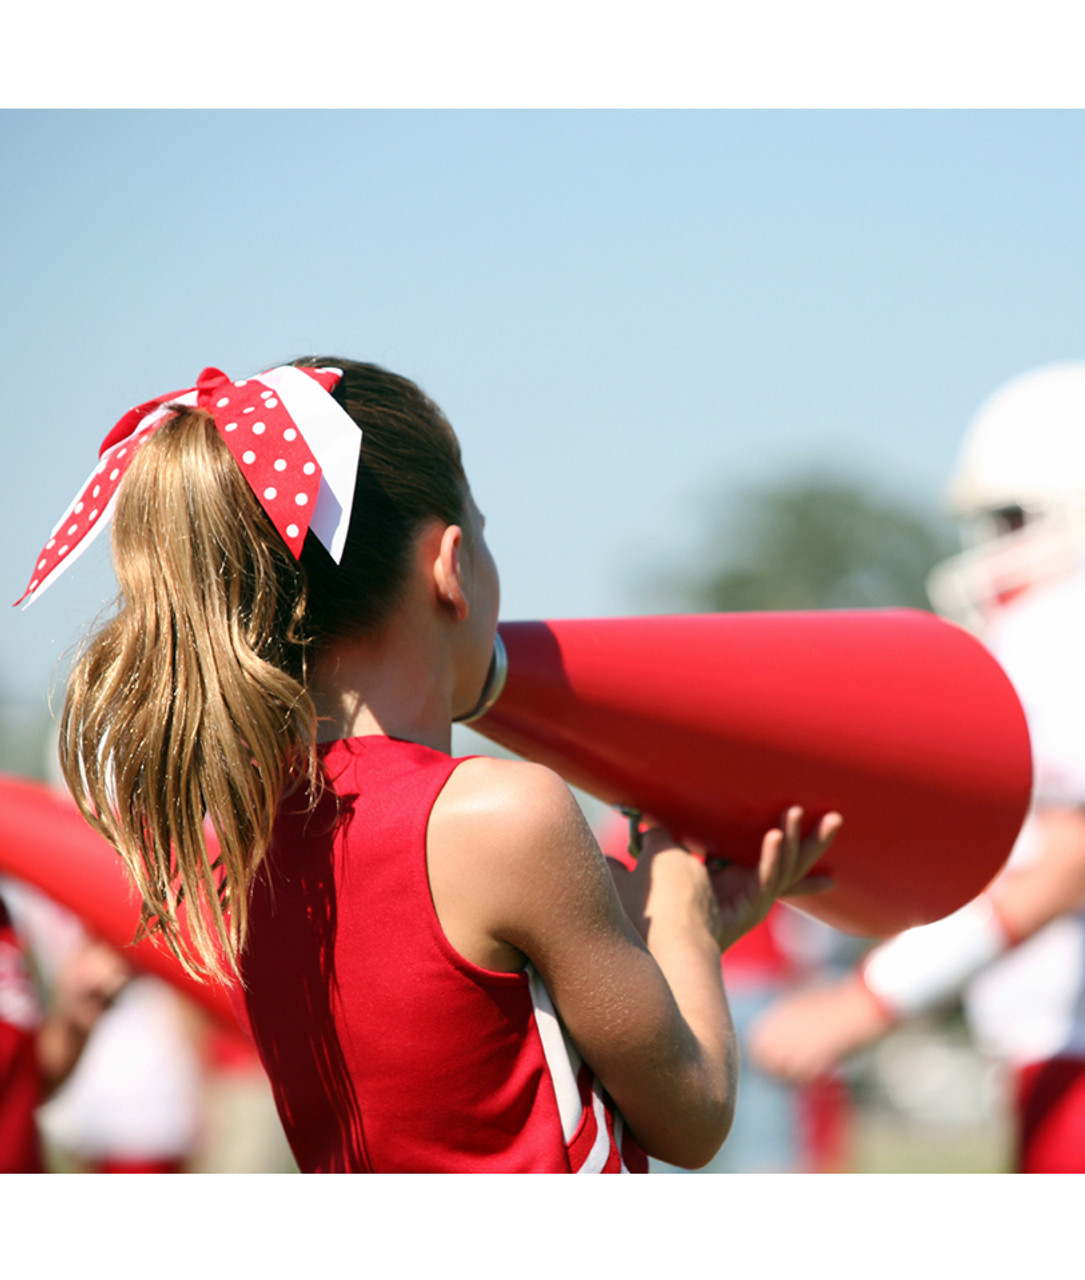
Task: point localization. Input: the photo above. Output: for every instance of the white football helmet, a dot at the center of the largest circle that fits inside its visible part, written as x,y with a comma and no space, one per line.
1019,491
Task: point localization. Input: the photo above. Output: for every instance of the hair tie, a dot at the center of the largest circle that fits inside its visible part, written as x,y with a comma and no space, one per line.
295,444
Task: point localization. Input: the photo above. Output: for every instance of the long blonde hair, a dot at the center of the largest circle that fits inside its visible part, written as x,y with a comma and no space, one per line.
188,709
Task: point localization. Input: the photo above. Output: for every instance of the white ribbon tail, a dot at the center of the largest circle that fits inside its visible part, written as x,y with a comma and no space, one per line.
336,442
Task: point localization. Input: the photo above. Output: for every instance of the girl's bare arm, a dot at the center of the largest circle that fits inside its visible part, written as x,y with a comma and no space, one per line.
516,874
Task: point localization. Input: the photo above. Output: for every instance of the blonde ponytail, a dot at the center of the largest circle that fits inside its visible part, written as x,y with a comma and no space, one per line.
188,708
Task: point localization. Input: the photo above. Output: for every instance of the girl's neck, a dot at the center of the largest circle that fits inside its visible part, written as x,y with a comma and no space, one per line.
398,684
365,722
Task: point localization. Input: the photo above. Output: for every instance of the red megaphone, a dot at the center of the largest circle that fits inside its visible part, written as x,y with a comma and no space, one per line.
45,841
715,723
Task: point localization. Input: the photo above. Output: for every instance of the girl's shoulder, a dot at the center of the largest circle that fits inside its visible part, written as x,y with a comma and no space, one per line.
511,818
505,797
506,848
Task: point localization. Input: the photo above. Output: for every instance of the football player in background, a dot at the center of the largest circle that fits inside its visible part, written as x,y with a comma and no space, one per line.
1016,954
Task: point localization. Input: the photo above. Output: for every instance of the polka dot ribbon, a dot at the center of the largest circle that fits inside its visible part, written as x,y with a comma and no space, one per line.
295,445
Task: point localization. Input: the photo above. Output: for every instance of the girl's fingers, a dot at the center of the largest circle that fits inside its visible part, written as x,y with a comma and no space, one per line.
793,822
820,842
779,852
799,856
772,855
829,825
787,859
809,885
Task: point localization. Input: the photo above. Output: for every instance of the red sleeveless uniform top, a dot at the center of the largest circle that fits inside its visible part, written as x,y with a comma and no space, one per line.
387,1050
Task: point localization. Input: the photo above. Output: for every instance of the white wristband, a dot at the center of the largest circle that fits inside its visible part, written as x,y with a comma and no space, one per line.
924,967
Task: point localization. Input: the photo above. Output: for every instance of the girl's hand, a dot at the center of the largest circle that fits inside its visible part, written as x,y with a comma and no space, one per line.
669,888
745,894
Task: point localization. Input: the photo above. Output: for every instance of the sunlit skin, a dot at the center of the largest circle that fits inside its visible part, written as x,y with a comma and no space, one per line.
516,874
429,662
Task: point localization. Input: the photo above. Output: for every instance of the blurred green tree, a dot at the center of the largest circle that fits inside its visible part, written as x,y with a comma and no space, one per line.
816,541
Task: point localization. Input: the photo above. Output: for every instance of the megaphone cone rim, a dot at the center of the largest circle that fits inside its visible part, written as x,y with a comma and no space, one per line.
494,686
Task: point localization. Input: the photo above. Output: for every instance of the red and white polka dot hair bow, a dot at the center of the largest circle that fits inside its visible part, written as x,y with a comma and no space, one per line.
295,444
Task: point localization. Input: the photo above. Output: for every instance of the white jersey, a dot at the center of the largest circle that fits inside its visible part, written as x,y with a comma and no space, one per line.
1029,1005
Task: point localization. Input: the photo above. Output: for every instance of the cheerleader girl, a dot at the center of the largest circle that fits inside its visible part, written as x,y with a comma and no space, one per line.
436,965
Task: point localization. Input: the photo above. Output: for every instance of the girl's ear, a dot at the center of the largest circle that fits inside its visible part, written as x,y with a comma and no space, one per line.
448,571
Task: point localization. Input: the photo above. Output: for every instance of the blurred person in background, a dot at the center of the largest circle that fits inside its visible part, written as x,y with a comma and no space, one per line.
130,1100
1016,954
40,1046
160,1087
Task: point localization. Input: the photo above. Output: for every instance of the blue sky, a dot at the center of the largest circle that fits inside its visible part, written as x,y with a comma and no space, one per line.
626,314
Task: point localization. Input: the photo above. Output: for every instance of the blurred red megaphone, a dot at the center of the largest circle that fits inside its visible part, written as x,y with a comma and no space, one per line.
45,841
715,723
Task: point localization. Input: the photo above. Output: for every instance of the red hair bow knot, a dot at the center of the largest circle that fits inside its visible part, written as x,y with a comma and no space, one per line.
294,443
